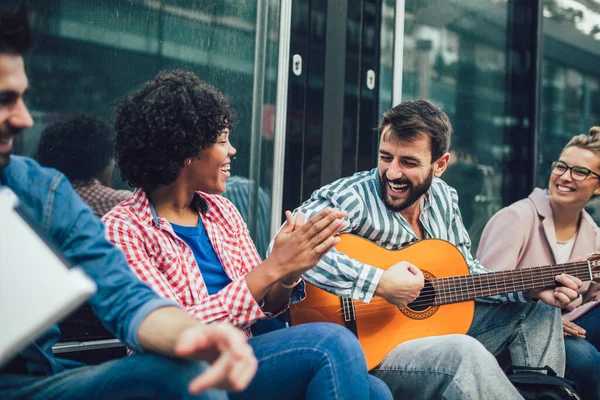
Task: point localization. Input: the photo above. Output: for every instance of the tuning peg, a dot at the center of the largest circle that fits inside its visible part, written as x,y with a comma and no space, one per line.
593,256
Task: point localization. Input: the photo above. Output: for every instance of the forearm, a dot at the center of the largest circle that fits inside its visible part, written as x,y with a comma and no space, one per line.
161,329
279,296
265,283
261,279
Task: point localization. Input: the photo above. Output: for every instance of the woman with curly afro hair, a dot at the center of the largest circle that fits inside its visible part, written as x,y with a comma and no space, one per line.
192,246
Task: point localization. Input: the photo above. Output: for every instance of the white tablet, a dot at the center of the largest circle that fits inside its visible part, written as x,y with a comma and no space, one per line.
37,287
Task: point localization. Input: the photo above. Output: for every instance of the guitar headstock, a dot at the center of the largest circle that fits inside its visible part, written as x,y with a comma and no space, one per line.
594,262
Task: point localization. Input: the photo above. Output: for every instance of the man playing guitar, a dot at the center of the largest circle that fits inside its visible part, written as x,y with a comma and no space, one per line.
403,201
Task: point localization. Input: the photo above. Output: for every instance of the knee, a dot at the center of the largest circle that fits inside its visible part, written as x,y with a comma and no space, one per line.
463,348
582,357
336,341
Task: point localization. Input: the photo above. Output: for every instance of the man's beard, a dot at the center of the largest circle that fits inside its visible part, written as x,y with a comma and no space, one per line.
414,192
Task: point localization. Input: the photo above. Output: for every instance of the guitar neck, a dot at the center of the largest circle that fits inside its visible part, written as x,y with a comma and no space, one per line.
469,287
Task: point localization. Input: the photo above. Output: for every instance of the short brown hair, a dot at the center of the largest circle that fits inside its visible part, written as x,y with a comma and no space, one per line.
411,120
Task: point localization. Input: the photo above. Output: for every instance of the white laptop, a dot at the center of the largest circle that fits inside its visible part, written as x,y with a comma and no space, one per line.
37,287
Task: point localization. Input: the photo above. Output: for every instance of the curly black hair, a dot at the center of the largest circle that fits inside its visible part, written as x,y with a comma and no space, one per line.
80,147
170,119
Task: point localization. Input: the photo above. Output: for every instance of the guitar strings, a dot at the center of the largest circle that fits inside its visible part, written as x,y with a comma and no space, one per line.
430,292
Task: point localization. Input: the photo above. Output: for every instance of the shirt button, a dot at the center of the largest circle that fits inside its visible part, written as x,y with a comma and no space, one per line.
362,295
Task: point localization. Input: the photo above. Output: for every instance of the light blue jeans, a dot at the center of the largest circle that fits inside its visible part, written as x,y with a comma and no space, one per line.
464,366
311,361
140,376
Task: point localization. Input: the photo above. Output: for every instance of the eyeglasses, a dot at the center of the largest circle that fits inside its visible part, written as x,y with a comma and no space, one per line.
577,173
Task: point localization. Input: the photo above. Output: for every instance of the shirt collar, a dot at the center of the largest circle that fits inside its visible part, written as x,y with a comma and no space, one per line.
541,202
148,213
89,182
426,199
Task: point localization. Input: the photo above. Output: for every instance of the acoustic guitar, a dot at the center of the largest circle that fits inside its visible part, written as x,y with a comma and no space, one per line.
445,305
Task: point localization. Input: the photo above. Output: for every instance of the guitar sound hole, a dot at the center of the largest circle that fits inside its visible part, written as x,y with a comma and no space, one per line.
425,299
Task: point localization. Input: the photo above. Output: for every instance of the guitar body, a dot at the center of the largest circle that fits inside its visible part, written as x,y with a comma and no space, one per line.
380,326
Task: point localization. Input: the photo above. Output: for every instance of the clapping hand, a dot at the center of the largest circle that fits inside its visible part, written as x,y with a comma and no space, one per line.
300,245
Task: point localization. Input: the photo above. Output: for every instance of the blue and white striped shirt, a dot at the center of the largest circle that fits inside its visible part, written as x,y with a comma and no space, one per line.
360,196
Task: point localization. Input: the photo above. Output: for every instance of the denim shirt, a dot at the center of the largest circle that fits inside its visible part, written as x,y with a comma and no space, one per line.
121,302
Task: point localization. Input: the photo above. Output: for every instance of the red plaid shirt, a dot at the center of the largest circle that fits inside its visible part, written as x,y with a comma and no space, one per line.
160,258
99,197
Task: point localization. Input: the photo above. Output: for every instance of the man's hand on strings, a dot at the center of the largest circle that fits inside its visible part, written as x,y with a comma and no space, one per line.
565,292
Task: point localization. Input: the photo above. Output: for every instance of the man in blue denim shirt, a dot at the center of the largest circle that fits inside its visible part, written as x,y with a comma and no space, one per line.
126,306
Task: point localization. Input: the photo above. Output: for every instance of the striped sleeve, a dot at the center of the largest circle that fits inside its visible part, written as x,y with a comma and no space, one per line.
336,272
458,235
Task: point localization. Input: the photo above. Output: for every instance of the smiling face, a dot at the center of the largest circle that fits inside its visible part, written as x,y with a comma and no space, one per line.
210,170
564,190
405,170
14,115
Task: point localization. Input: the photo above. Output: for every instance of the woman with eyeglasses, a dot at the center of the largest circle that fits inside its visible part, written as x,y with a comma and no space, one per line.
552,227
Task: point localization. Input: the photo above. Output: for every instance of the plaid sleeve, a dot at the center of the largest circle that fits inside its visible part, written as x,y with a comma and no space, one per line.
131,242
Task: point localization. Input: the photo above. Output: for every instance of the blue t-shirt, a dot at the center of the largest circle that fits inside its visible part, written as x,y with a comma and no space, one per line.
211,269
213,273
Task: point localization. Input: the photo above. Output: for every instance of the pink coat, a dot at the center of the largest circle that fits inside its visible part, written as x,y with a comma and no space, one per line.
522,235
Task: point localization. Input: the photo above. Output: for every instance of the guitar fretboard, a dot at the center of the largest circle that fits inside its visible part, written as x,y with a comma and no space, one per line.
468,287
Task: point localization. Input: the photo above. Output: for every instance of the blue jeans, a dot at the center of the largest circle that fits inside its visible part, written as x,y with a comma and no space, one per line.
311,361
590,321
140,376
583,358
583,366
464,367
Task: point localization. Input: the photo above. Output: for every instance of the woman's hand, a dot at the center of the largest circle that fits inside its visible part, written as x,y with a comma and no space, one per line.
572,329
300,245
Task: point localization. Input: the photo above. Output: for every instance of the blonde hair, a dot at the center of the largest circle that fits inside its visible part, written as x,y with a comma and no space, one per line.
590,142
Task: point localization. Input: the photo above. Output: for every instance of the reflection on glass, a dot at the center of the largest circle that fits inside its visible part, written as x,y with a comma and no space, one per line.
90,54
386,55
454,56
237,191
570,96
582,15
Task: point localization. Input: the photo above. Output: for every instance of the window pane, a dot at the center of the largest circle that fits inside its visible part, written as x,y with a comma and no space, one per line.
454,56
570,96
88,54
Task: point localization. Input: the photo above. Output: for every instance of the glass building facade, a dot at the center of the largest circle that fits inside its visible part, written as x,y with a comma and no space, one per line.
517,78
461,56
87,55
